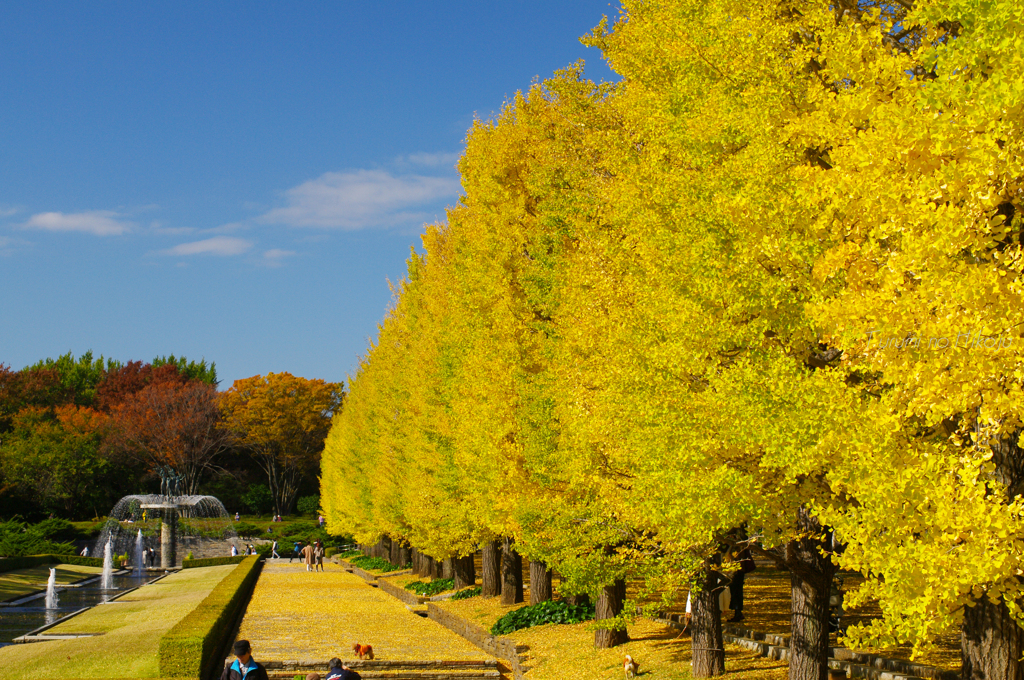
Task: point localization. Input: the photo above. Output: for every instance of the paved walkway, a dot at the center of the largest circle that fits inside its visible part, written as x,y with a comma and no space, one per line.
307,617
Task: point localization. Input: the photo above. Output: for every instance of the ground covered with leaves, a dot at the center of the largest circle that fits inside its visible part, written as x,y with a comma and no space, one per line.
295,615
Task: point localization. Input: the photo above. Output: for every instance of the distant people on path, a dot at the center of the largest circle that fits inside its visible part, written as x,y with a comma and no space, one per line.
297,552
307,556
234,550
321,520
747,565
151,555
85,552
318,555
273,551
244,667
339,671
237,517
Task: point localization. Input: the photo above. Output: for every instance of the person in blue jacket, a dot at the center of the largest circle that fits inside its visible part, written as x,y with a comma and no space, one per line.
244,667
339,671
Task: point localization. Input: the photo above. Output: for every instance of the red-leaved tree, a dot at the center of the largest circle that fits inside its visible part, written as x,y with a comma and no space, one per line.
170,423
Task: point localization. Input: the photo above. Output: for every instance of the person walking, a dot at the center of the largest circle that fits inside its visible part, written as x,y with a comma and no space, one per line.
318,555
234,550
297,552
273,550
307,556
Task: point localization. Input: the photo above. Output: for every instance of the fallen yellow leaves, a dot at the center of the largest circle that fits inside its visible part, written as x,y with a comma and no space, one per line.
295,615
566,652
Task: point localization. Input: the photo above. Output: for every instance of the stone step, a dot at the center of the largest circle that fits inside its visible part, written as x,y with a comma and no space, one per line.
397,670
439,674
382,664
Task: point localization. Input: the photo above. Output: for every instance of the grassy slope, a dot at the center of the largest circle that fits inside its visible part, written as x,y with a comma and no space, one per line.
132,630
25,581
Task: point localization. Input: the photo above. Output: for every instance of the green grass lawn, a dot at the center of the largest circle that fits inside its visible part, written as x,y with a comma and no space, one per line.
131,627
14,584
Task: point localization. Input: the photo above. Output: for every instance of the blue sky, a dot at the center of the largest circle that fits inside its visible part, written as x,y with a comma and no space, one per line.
238,181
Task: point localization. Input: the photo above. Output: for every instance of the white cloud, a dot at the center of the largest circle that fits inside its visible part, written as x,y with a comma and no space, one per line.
218,245
275,257
95,222
360,199
7,212
431,160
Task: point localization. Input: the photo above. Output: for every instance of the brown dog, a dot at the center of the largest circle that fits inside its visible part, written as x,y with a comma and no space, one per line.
363,651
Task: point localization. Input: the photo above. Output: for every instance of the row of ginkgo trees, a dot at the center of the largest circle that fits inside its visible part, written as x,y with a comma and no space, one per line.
769,280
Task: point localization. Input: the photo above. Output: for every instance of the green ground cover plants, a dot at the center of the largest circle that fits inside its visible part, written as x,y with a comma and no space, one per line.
376,564
541,613
467,593
430,588
132,628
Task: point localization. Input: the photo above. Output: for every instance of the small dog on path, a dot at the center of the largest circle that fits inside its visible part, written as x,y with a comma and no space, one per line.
363,651
632,668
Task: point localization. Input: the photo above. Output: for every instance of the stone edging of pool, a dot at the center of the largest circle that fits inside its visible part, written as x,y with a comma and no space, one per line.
39,634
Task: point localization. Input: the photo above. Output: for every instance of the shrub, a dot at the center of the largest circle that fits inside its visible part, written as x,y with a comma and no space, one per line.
54,529
541,613
467,593
18,539
375,564
308,505
430,588
247,530
211,561
199,641
330,552
12,563
258,499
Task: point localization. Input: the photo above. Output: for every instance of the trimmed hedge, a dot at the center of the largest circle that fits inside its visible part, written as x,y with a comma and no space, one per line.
330,552
196,645
28,561
212,561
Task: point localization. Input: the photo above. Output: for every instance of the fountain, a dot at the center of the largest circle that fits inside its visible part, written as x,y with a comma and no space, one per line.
169,520
107,582
51,590
165,521
139,557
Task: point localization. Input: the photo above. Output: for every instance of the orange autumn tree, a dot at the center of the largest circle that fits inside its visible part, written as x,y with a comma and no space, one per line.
283,420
